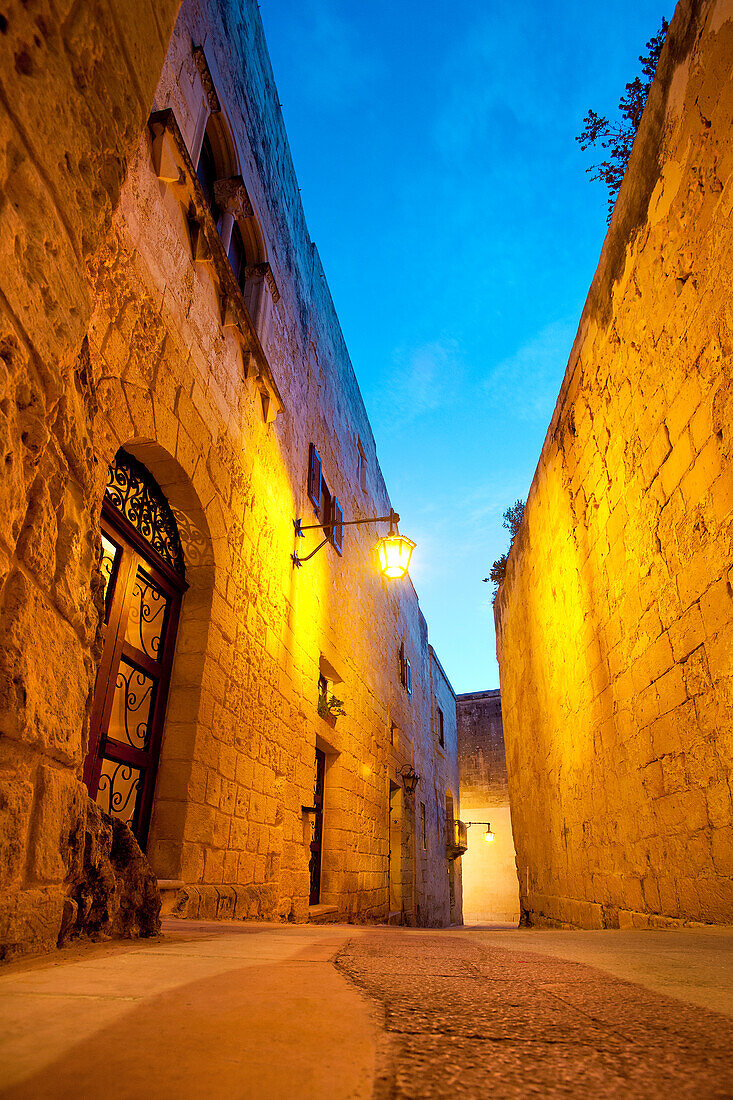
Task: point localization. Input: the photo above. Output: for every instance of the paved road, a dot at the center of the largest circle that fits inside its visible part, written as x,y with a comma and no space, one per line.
269,1012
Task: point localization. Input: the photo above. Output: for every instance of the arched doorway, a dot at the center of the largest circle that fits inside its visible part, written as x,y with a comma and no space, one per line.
144,578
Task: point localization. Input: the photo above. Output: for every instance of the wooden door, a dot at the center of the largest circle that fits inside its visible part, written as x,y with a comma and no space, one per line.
142,568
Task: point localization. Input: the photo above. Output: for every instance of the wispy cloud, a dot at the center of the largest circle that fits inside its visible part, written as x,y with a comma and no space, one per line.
526,384
340,66
421,379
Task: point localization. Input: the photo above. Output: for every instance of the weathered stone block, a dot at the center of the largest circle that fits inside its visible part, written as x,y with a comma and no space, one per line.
16,799
57,849
45,674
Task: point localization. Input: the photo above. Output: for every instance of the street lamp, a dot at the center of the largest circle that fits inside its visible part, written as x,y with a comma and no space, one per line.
488,835
410,778
393,551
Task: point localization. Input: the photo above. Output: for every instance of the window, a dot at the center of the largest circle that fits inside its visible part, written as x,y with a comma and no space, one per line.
238,255
405,670
423,829
326,505
441,728
208,174
361,466
314,478
229,203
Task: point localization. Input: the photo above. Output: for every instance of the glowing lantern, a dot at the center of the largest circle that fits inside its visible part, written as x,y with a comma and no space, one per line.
393,555
488,835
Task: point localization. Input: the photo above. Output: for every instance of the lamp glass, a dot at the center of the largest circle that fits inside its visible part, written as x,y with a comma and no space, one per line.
488,836
393,555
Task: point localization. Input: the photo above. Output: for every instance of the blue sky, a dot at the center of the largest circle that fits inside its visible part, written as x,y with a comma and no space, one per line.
459,232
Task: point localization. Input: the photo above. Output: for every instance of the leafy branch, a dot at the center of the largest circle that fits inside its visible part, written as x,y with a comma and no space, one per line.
512,522
617,138
330,706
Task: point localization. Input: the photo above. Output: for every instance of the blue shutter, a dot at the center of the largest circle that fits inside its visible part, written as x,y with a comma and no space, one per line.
314,477
337,531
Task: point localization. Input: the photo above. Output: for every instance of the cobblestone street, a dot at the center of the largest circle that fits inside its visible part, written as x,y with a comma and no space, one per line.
467,1018
346,1012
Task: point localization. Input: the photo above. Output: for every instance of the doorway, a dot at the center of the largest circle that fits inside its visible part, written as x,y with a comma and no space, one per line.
142,570
395,848
316,846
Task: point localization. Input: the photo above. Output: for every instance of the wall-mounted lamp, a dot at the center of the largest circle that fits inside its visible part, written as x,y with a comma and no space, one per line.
393,551
488,835
410,778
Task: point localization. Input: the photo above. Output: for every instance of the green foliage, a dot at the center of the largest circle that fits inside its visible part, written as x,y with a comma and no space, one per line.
618,137
512,522
330,706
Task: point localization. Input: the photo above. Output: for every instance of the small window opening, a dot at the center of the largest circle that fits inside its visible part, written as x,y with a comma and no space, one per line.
441,728
405,670
361,466
238,255
208,173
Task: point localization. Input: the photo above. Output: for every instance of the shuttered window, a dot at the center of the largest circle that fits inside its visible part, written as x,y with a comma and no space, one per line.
337,531
314,479
405,670
326,505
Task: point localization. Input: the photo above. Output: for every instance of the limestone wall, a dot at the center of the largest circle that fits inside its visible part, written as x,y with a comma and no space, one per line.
76,83
220,404
490,890
440,787
615,622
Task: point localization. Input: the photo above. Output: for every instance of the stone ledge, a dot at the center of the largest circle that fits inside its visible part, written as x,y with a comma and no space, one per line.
226,902
573,913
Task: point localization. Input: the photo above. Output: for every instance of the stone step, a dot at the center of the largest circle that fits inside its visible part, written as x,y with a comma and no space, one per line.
323,914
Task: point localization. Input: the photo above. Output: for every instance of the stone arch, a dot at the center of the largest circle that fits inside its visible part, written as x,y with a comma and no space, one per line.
170,802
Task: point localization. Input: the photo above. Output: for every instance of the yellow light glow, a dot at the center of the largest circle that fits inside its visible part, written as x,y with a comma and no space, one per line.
393,555
489,836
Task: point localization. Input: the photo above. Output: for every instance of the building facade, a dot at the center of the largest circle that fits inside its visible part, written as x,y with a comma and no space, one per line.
258,721
490,888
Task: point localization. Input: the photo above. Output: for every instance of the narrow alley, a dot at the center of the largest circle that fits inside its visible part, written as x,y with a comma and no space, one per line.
268,1011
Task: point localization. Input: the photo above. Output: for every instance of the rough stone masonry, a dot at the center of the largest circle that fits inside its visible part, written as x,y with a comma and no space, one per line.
164,310
615,622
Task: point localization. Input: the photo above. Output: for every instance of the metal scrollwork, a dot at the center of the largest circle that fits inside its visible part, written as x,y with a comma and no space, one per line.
117,788
137,688
147,617
136,495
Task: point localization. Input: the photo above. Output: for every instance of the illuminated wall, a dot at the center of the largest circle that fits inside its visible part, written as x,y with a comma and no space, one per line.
220,393
615,622
77,82
490,891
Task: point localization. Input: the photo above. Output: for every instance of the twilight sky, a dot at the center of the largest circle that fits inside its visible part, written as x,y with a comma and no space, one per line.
459,233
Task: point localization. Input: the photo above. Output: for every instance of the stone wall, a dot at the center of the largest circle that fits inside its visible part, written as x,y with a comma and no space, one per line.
219,398
615,622
441,788
76,86
489,869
